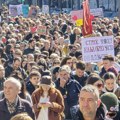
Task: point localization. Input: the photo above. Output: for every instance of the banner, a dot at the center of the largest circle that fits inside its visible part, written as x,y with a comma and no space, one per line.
41,30
25,10
95,48
45,9
33,11
75,15
87,21
98,12
78,14
79,22
15,10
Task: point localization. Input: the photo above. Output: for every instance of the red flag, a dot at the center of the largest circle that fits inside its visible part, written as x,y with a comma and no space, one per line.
87,22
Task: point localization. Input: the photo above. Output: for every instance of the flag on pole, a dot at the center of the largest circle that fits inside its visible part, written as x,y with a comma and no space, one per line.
87,21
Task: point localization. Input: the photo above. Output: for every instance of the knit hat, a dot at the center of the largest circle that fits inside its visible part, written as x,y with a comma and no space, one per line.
46,80
111,101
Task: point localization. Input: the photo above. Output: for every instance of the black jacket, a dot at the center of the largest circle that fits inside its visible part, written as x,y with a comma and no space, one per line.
22,106
81,80
30,87
2,80
70,93
100,114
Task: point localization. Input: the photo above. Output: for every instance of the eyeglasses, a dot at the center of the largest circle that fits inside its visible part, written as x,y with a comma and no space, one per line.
99,85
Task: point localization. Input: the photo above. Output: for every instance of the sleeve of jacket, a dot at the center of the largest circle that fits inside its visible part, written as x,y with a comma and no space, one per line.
35,103
58,105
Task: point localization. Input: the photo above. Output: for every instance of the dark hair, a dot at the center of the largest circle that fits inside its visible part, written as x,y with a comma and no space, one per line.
108,57
64,60
8,47
109,75
80,65
34,73
94,77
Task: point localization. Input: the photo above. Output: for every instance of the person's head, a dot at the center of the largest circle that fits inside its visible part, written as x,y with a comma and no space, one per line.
32,43
18,53
108,61
21,116
89,101
55,73
80,68
95,80
112,104
67,61
64,72
47,44
46,83
16,63
109,81
11,88
30,57
2,71
56,62
35,77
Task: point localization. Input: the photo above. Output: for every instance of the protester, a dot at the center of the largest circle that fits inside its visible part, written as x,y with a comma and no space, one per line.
46,42
12,104
110,82
112,103
69,88
108,65
95,80
47,101
89,103
80,74
34,81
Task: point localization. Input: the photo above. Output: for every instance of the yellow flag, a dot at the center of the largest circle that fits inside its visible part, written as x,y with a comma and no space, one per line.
79,22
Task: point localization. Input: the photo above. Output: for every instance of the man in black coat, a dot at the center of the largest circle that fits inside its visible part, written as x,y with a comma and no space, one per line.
12,104
69,88
90,106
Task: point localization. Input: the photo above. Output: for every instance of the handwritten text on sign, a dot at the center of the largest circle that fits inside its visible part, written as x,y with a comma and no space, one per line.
95,48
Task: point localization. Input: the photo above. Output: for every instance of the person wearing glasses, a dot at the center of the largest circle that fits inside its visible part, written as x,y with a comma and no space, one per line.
95,80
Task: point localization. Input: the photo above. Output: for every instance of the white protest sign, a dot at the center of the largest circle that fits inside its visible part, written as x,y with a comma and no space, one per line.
97,12
19,9
95,48
45,9
15,10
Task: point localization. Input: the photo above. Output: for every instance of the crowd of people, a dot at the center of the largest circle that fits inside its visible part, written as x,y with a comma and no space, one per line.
44,76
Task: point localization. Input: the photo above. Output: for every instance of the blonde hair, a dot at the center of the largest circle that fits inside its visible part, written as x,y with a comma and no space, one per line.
21,116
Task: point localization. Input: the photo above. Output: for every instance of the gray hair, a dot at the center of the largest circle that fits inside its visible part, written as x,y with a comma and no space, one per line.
65,68
91,89
14,81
